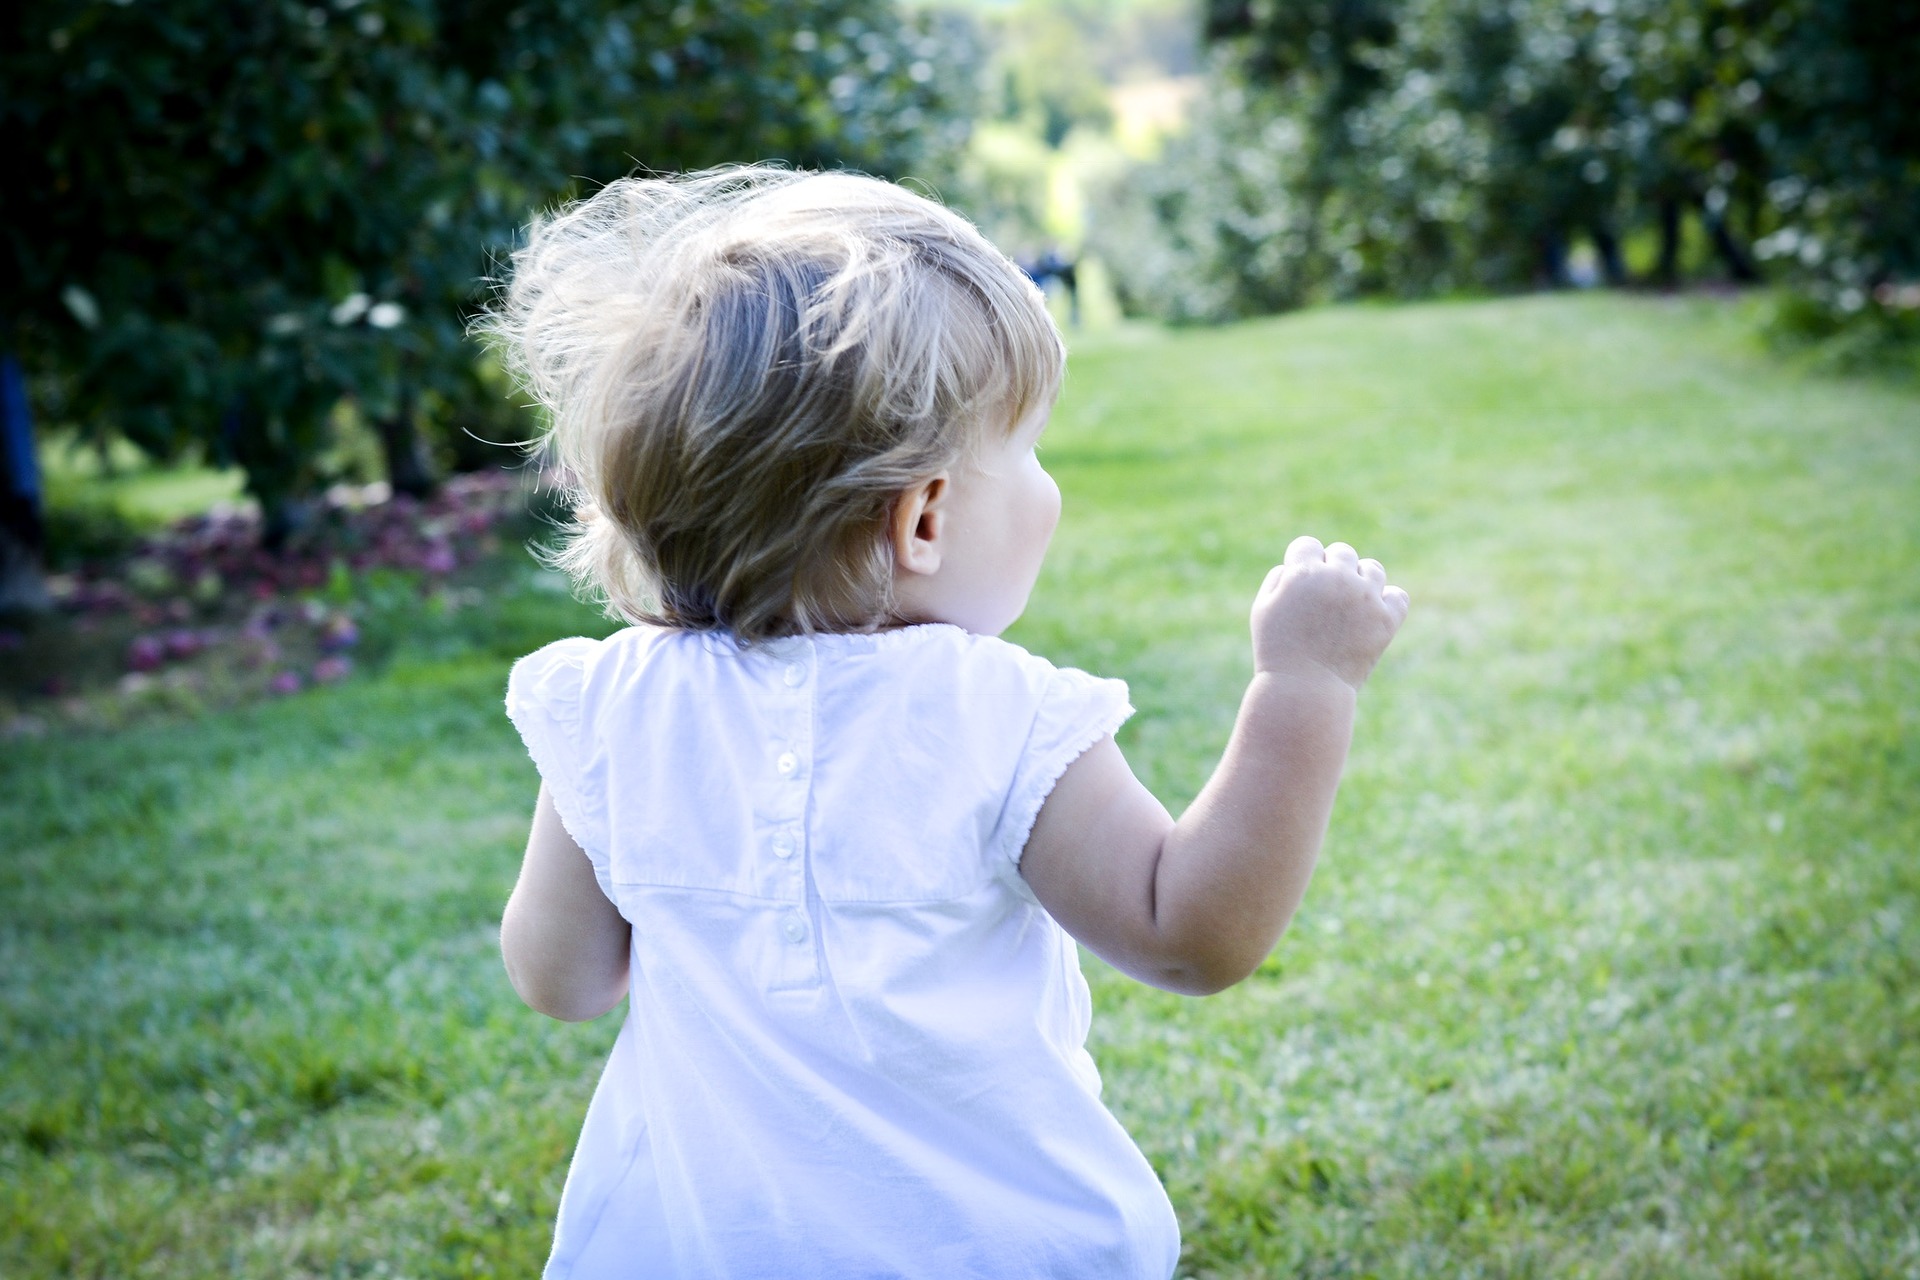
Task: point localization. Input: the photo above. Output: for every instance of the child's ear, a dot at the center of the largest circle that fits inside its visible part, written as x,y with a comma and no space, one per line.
917,524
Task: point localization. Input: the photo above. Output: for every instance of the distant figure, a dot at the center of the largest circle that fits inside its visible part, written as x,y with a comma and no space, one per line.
1051,266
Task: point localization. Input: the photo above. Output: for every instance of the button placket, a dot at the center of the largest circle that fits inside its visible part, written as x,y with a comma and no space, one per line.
787,812
783,838
784,845
788,843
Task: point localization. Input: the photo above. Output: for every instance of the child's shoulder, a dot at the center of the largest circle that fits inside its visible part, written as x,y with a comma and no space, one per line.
937,655
920,642
582,653
560,682
981,671
915,644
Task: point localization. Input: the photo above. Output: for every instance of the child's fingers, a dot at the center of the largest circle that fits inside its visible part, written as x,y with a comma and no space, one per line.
1272,582
1375,572
1397,603
1339,553
1304,549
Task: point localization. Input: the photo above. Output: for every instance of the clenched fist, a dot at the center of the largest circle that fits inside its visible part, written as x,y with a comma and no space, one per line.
1325,607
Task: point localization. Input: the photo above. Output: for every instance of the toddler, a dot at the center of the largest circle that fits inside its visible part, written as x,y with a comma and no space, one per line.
832,837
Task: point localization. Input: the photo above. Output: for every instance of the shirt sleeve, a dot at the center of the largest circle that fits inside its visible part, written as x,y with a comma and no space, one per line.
1076,711
546,696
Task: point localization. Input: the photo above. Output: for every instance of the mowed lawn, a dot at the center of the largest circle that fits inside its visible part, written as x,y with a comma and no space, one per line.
1612,966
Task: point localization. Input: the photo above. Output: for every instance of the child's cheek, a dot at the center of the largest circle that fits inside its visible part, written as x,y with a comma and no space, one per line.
1050,505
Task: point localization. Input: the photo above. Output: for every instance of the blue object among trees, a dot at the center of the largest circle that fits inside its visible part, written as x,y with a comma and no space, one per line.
22,520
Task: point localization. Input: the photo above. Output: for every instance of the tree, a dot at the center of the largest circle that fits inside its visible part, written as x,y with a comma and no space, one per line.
1416,145
234,214
1838,108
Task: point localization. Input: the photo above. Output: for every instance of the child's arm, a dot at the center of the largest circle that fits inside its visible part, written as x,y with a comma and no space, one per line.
565,945
1195,905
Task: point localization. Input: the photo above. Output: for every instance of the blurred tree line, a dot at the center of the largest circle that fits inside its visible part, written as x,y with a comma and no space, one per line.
1046,117
233,220
1408,147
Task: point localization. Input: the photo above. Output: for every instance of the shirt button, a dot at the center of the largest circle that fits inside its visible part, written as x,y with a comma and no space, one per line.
795,928
795,675
783,845
787,763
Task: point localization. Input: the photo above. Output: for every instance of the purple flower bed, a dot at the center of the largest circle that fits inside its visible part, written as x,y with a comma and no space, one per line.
202,608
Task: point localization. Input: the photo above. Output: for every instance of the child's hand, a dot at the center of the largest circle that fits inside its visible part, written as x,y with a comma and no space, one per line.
1325,607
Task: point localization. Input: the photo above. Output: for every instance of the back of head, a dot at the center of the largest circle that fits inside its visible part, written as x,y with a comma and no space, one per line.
741,369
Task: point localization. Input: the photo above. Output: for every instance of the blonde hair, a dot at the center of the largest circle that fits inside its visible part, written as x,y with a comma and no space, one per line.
742,369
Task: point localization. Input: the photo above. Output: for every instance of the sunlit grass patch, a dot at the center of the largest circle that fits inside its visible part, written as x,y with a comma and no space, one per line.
1610,964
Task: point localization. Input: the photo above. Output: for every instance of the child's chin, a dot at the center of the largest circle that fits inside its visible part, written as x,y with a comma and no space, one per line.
982,618
998,623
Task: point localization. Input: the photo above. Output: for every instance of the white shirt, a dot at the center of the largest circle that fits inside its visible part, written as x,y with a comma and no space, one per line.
855,1044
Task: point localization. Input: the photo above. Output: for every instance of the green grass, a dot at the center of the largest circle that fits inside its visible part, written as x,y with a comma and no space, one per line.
1612,967
146,491
99,506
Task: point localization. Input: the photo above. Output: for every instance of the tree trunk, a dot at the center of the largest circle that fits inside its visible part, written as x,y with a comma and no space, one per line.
1553,260
284,517
407,467
1739,265
23,578
23,530
1613,269
1667,270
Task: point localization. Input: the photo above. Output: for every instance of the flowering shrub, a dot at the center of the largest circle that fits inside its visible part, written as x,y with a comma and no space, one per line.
199,613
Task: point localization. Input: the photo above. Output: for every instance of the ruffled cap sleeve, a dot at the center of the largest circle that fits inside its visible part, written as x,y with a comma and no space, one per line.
1075,712
547,702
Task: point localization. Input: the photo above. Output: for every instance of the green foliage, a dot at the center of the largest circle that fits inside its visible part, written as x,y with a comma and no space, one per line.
1046,115
1053,62
1043,74
98,506
231,215
1609,968
87,526
1841,126
1880,336
1217,228
1419,146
